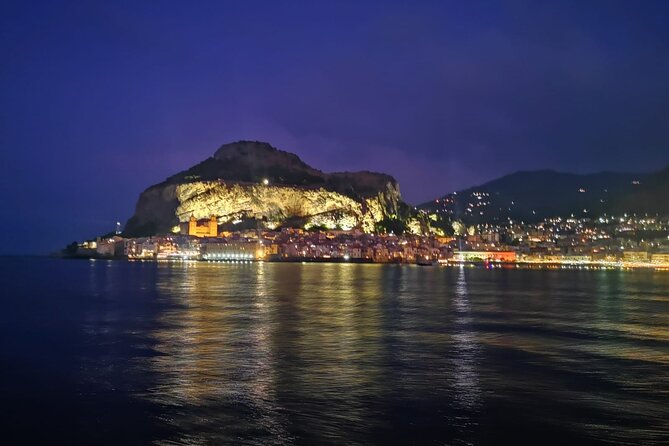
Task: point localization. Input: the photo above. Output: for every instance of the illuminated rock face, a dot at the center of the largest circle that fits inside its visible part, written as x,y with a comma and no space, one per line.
254,180
275,204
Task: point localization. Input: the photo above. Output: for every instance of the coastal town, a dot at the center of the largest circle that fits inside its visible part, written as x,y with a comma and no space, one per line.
606,242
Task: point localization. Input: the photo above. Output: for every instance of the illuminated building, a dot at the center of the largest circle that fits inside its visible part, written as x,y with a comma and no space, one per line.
481,256
660,258
566,258
208,229
635,256
230,250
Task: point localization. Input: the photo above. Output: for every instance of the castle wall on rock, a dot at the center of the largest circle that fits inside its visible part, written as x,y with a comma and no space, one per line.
276,203
192,227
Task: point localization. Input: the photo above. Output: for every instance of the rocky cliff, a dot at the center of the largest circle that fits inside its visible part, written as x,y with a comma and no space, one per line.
253,180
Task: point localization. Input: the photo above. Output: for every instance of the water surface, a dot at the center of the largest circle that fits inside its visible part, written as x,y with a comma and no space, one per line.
132,353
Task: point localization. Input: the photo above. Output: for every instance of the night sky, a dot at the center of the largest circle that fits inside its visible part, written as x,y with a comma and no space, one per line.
100,100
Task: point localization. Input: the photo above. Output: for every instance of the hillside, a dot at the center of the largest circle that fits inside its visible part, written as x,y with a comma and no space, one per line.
253,180
535,195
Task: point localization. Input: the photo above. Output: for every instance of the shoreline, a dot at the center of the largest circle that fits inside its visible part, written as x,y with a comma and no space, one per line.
622,266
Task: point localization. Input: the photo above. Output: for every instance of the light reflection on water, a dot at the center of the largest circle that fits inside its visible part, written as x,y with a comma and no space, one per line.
269,353
275,353
467,391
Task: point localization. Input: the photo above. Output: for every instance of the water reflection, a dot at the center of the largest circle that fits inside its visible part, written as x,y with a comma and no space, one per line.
133,353
237,337
216,351
466,389
312,353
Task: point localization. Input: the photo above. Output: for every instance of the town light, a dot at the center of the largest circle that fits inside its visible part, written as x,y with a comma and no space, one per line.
265,181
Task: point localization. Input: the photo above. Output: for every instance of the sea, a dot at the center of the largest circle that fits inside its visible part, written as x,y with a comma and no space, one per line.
114,352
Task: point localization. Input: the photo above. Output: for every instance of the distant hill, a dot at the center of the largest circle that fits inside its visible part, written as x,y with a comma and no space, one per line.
535,195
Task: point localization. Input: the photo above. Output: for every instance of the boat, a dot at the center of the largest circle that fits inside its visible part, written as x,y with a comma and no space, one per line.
424,261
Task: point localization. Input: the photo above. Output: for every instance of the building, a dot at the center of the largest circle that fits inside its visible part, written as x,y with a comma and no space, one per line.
566,258
141,248
635,256
208,229
660,258
484,256
109,247
354,251
230,250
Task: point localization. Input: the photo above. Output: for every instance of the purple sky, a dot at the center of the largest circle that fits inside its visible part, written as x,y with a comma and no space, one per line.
100,100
